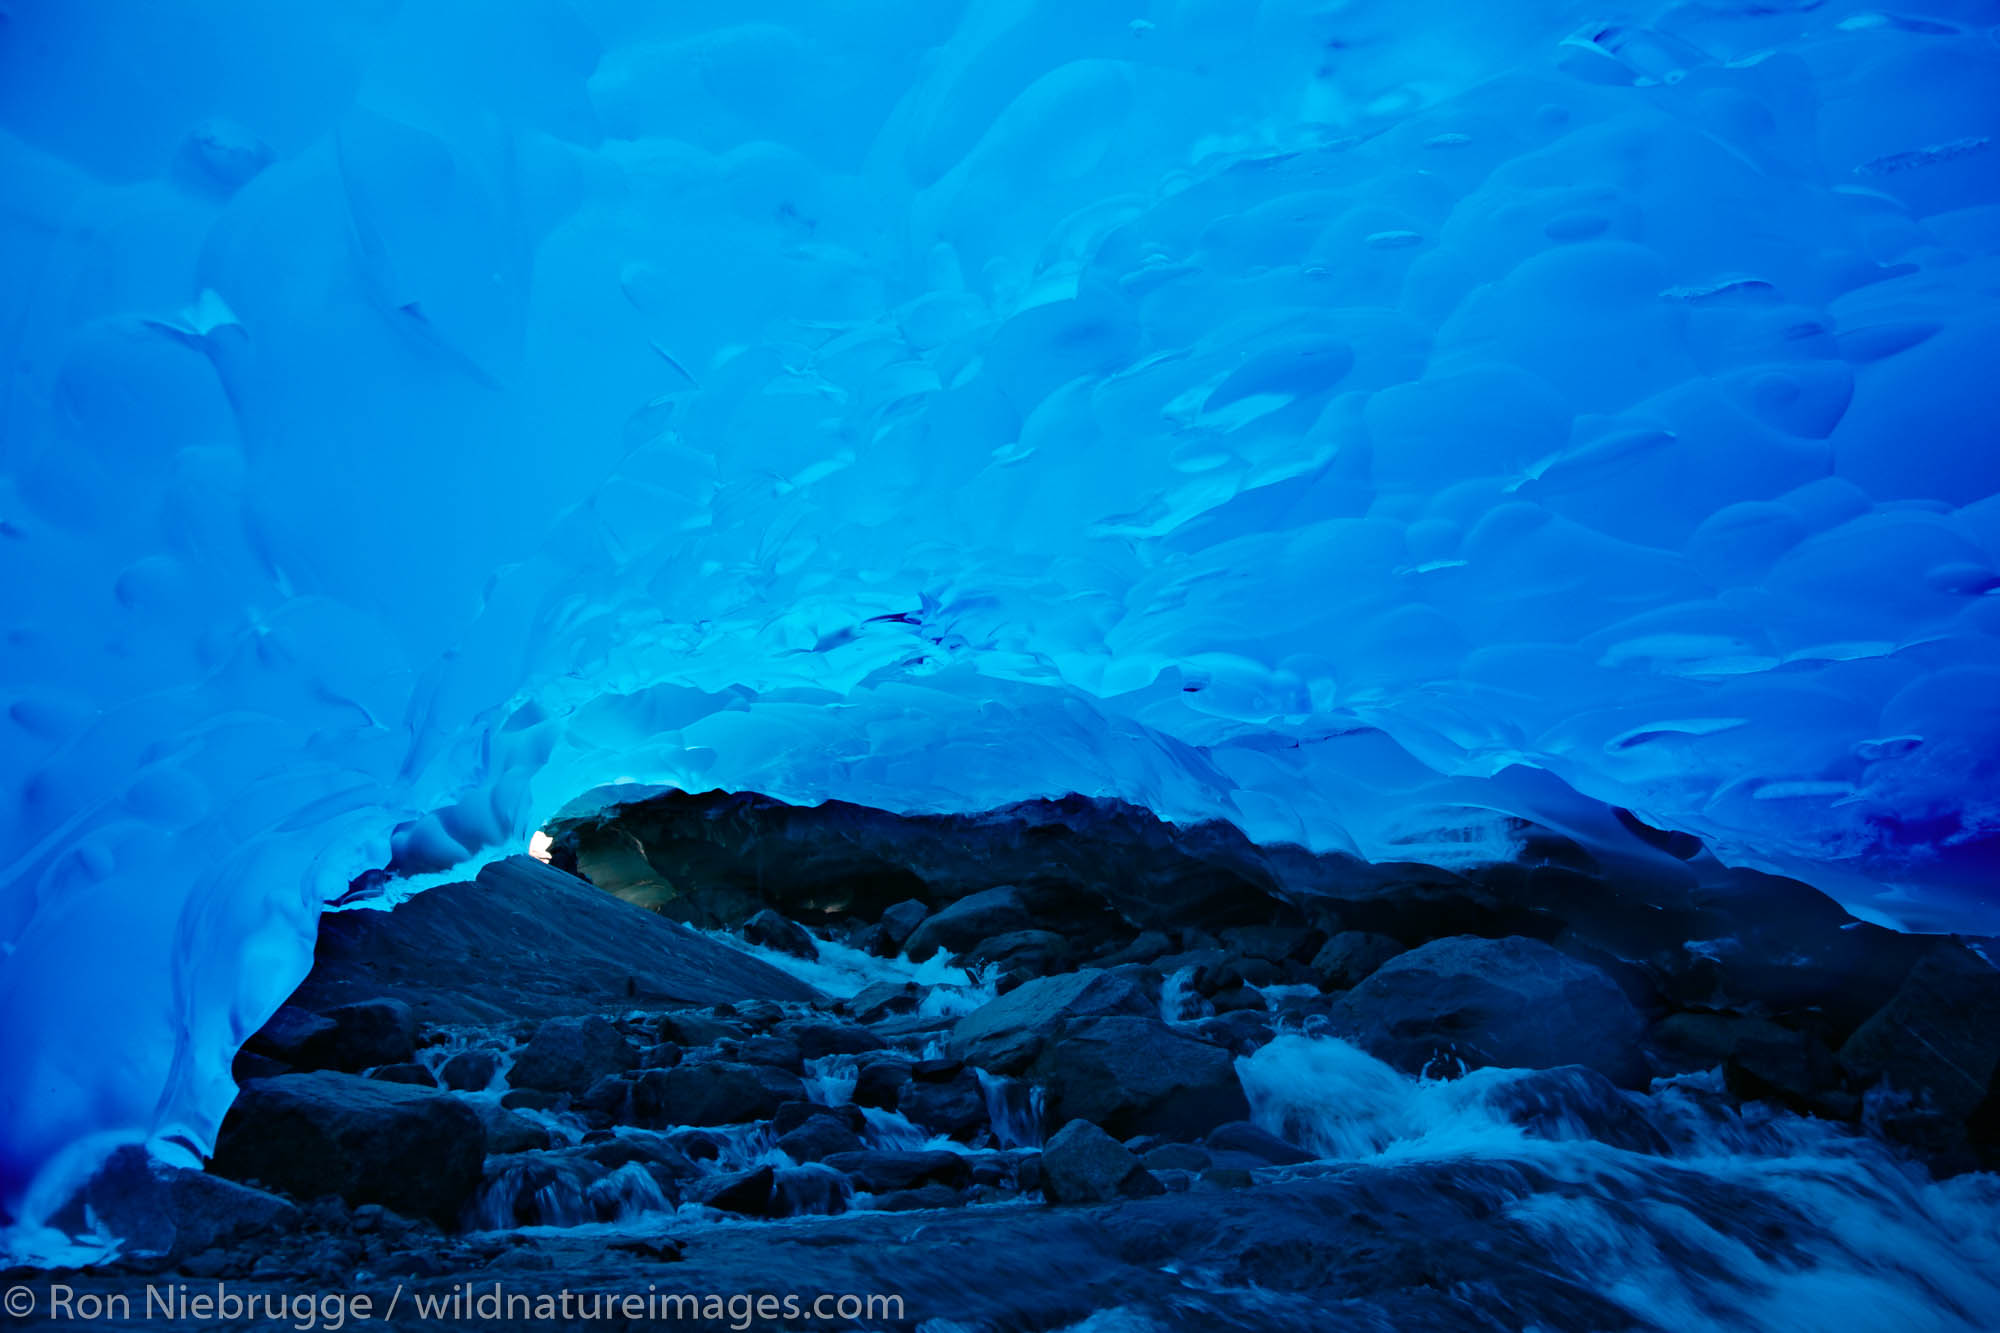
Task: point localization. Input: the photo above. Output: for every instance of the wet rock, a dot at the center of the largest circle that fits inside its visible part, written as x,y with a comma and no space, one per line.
1572,1102
1242,1138
1083,1164
879,1172
411,1072
817,1139
1793,1070
1351,957
918,1200
808,1191
1512,1002
529,1099
345,1037
690,1029
965,923
1019,955
745,1192
411,1149
899,921
570,1054
288,1035
954,1107
1177,1157
720,1093
1146,947
1238,999
884,999
1939,1036
1005,1035
1274,944
510,1132
793,1114
1135,1075
776,1052
164,1213
772,931
880,1084
469,1071
818,1040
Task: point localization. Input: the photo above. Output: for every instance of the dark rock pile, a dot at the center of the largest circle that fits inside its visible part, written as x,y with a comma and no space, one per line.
526,1051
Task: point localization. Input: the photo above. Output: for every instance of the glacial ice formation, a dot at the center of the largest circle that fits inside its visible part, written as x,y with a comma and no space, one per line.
1334,415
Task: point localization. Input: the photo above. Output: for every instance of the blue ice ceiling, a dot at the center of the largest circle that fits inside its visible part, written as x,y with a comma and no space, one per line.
1332,416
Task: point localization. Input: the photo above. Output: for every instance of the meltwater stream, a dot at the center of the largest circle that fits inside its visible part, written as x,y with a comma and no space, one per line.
1684,1211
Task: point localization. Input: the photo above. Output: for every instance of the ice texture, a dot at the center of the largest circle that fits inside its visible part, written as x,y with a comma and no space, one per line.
1341,418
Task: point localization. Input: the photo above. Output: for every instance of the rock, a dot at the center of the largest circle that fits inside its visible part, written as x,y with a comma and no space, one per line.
1226,1178
817,1139
745,1192
411,1149
469,1071
1571,1102
882,1000
1242,1137
697,1030
1274,944
1136,1075
1792,1070
525,940
288,1033
1177,1157
899,920
793,1114
818,1040
1351,957
509,1132
1688,1042
971,919
1005,1035
570,1054
1083,1164
719,1093
527,1099
879,1172
1019,955
880,1084
1511,1002
772,931
411,1072
1146,947
954,1107
1939,1035
163,1214
917,1200
773,1051
808,1191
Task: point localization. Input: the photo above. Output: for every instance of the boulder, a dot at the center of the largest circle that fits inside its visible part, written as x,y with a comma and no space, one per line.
879,1172
1512,1002
509,1132
1351,957
162,1214
409,1072
1938,1037
469,1071
883,999
954,1107
818,1040
1274,944
1005,1035
410,1149
880,1083
772,931
1083,1164
808,1191
287,1035
971,919
717,1092
570,1054
745,1192
346,1037
1136,1075
695,1030
1019,955
817,1139
793,1114
1243,1138
898,922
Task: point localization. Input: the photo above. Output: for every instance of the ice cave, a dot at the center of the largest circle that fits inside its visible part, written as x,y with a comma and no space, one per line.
1373,423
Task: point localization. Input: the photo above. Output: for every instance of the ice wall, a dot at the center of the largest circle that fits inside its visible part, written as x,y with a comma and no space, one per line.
1300,411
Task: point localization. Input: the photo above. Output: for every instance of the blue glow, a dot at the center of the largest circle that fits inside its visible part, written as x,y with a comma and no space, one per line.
1335,418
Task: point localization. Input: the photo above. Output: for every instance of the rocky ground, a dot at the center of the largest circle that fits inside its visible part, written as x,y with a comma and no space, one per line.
1063,1065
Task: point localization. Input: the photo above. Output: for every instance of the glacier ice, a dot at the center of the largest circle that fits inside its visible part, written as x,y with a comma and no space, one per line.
1336,417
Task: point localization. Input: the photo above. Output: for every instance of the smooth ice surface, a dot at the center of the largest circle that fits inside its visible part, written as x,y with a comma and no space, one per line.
1337,417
